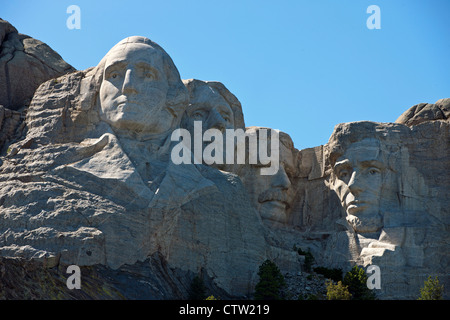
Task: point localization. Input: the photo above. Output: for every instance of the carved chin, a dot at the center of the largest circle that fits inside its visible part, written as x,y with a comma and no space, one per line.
365,224
274,211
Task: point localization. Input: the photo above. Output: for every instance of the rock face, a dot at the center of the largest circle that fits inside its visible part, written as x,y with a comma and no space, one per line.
91,186
92,182
393,183
426,112
25,63
10,121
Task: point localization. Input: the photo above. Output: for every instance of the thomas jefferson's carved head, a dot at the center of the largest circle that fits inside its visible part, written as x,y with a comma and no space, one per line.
212,104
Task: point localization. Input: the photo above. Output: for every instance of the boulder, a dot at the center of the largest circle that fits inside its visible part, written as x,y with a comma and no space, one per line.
426,112
25,63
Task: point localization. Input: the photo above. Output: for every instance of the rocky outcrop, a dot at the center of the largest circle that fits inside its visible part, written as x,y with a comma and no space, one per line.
10,121
423,112
22,279
80,188
91,181
25,63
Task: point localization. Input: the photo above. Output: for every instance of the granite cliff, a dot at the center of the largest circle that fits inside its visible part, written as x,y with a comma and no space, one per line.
87,178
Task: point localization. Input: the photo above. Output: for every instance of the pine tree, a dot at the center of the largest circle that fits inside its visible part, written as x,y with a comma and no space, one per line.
432,290
356,281
197,290
271,281
337,291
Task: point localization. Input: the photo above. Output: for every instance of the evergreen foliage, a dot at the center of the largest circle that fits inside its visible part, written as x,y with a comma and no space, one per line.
271,281
197,290
432,290
337,291
309,258
333,274
356,281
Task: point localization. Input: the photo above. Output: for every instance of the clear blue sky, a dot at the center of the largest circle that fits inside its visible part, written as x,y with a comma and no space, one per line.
298,66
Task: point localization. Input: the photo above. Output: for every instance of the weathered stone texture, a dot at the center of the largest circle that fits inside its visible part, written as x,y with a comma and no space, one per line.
88,180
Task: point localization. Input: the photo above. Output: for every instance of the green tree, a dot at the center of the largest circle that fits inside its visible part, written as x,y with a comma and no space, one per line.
356,281
333,274
309,258
197,290
337,291
432,290
271,281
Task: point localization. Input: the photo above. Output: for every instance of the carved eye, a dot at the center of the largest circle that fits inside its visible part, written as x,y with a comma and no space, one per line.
373,171
289,173
343,174
197,114
114,75
149,75
226,117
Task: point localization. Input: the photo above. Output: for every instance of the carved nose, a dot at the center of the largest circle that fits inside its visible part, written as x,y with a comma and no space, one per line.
281,179
216,121
129,83
354,184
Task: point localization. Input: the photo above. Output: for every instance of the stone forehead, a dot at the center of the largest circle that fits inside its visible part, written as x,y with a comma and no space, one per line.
136,39
363,150
122,48
364,144
285,139
345,135
133,43
206,94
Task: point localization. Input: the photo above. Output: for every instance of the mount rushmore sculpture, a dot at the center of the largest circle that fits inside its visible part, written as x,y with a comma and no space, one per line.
88,179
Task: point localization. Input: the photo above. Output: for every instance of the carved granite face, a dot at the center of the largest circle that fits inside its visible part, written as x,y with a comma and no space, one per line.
273,194
359,182
134,89
210,107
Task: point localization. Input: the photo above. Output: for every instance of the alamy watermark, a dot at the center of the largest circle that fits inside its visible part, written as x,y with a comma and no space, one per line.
73,281
229,147
74,20
374,20
374,280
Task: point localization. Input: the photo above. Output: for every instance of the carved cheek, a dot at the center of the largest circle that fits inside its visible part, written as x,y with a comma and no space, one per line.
108,92
340,188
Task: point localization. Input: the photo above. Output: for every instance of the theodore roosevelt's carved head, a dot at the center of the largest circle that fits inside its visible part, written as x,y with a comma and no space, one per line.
273,195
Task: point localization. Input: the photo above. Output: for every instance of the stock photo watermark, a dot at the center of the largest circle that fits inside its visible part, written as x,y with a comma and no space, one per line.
74,280
74,20
227,147
374,20
374,280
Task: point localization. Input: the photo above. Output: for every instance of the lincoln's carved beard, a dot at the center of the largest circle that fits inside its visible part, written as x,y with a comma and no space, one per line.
369,224
363,210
